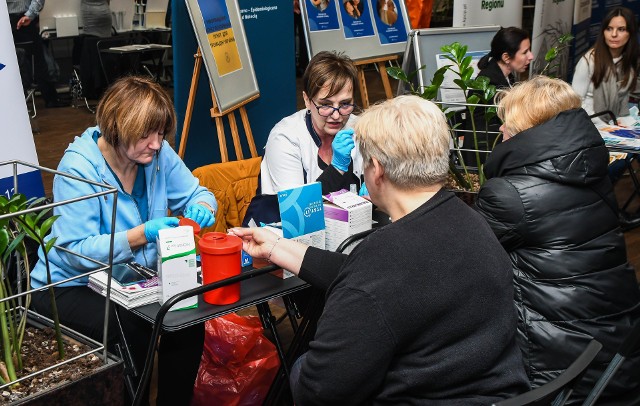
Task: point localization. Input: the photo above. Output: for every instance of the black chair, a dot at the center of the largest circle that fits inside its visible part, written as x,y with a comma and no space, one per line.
628,346
604,113
111,65
628,220
558,390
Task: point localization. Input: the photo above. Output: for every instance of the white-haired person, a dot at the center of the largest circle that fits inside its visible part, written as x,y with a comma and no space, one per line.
422,310
549,201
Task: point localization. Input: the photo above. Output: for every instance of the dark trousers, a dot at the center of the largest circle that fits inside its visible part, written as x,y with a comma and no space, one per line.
179,353
29,39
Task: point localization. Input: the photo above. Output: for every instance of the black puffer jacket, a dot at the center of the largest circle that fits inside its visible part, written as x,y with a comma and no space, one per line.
551,205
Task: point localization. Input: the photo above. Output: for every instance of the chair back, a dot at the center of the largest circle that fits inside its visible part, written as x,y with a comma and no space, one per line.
111,64
604,113
630,344
558,390
234,185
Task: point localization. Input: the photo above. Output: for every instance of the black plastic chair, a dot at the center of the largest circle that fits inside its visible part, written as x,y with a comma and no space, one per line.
603,113
558,390
628,346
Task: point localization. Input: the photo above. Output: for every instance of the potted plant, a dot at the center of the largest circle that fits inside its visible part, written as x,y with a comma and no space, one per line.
24,223
478,93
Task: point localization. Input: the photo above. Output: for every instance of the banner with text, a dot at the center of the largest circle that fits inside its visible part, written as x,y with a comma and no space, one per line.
467,13
15,133
551,19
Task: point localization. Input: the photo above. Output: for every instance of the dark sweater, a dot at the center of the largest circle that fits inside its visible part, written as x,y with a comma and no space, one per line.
421,312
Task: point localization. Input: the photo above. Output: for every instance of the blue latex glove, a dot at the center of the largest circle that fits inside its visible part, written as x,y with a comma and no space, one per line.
363,190
152,227
200,214
342,146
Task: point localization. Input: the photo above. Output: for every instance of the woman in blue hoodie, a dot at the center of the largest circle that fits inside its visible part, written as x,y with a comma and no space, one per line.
126,150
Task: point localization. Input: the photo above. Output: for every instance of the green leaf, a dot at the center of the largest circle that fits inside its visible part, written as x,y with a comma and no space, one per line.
46,225
49,245
551,54
397,73
4,240
15,242
473,99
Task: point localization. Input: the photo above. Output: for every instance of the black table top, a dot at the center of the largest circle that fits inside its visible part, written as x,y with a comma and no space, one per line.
254,291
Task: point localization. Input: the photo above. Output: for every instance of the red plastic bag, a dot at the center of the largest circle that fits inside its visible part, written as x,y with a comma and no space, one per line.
238,363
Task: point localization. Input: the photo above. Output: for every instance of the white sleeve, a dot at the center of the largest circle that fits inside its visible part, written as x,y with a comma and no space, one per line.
282,164
581,83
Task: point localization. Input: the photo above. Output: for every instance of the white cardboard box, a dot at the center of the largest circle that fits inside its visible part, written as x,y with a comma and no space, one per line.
177,267
345,214
314,239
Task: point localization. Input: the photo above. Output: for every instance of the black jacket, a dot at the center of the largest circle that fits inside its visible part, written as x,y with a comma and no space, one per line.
550,203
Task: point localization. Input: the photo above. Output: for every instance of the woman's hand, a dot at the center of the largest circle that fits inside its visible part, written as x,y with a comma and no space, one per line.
257,242
261,243
342,146
202,215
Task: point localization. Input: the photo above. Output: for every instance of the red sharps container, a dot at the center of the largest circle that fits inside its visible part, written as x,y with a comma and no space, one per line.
220,257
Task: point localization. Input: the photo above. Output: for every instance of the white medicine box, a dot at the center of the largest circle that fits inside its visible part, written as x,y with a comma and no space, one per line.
345,214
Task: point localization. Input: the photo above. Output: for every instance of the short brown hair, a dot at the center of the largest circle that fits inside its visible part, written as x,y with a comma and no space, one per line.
329,68
133,107
534,101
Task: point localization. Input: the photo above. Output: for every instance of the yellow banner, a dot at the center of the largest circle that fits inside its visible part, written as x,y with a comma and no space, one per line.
225,51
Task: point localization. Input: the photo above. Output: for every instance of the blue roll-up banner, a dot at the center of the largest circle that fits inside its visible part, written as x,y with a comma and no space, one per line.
15,130
273,56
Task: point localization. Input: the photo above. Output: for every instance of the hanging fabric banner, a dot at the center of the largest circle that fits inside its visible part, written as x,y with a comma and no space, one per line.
467,13
15,135
551,19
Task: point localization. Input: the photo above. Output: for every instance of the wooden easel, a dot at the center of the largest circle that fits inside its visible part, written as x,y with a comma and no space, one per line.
362,83
217,115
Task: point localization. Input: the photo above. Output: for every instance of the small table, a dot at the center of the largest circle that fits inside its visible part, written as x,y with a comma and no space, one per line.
256,289
253,292
130,56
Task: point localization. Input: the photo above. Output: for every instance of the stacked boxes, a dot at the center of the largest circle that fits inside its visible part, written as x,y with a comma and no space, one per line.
345,214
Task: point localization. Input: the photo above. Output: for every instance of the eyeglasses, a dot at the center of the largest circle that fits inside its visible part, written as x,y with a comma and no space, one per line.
325,110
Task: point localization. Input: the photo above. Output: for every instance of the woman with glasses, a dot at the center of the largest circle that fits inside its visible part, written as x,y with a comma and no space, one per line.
316,143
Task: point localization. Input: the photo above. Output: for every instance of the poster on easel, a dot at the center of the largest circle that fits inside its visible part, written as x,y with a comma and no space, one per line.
356,19
387,16
362,29
225,51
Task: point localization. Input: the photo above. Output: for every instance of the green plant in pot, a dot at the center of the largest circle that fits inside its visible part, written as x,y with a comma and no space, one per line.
477,92
20,224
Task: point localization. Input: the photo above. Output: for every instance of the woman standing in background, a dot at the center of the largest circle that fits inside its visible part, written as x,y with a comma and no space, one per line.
96,18
608,72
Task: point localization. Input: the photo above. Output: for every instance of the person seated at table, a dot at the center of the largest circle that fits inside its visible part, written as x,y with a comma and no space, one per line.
608,72
550,203
422,309
309,145
510,56
127,150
